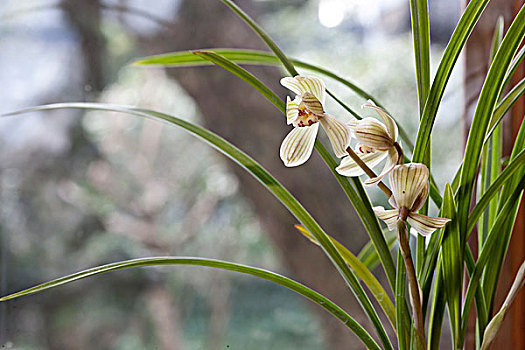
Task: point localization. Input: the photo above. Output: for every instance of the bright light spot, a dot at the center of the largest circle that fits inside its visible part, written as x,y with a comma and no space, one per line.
331,12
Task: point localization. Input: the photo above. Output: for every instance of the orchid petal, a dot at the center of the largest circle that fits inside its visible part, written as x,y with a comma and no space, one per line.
420,200
392,202
350,168
292,84
389,122
338,134
372,133
391,162
408,181
297,146
314,85
390,217
312,103
425,225
292,109
301,84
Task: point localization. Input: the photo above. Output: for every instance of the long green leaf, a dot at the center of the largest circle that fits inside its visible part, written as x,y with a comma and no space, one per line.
486,254
403,319
437,311
421,39
262,34
255,57
368,254
505,105
516,61
256,170
486,105
491,154
244,75
245,56
463,29
363,273
491,276
517,164
297,287
451,264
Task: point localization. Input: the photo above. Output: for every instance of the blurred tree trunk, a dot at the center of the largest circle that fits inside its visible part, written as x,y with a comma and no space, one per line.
234,110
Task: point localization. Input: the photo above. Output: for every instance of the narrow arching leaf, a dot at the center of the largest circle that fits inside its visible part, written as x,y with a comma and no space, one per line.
403,319
263,35
452,263
421,39
437,311
516,61
505,105
491,154
255,57
486,254
269,182
494,325
363,273
368,254
244,75
517,164
490,278
297,287
485,107
454,47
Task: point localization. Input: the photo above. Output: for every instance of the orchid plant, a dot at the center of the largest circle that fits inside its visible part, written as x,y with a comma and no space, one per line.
436,281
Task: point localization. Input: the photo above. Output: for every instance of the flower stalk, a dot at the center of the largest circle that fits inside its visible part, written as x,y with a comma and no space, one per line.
415,291
368,171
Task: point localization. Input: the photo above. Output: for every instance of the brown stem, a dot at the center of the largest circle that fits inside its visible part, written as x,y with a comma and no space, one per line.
415,296
368,171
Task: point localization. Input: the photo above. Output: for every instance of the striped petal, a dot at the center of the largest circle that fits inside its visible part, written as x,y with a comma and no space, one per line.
301,84
350,168
338,134
420,200
298,144
292,109
372,133
391,162
408,181
312,103
389,122
425,225
388,216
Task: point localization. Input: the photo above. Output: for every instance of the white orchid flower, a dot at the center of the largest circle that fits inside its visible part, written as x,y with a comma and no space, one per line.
304,113
409,192
377,141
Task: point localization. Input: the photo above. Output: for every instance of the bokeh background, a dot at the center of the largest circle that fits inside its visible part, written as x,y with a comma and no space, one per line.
82,189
